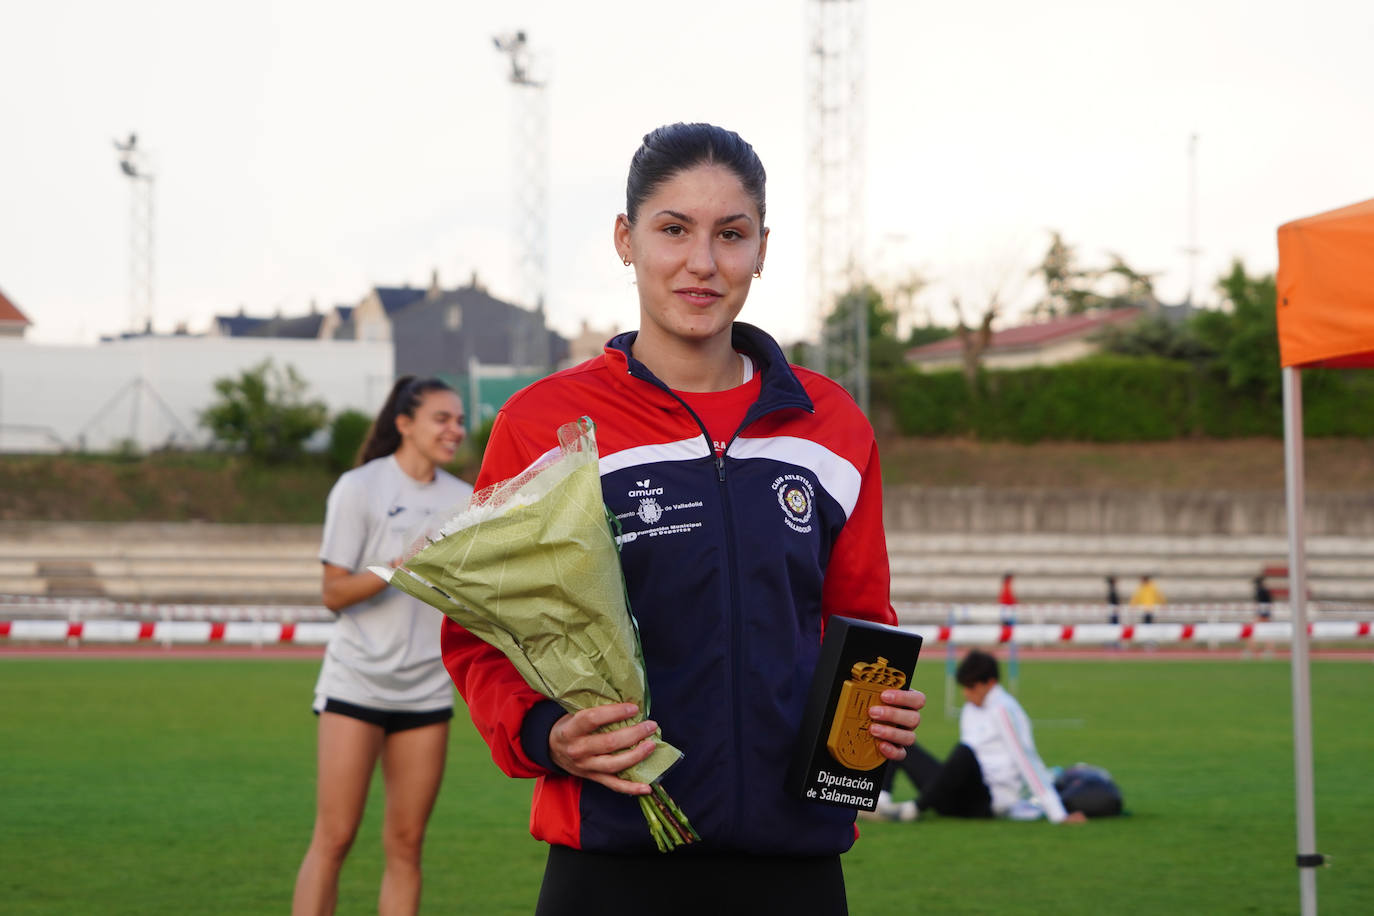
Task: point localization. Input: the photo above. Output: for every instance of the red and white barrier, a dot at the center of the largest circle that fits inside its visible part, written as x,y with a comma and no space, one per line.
1099,634
316,633
168,632
41,619
16,606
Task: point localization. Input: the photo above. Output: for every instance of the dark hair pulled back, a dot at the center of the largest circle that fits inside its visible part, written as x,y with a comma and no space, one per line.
384,438
677,147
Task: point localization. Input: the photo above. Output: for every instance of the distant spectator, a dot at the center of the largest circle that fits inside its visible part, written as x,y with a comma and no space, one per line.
1007,598
1113,599
1147,595
1264,598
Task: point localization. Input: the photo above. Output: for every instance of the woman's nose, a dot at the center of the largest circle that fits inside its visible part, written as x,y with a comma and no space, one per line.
701,261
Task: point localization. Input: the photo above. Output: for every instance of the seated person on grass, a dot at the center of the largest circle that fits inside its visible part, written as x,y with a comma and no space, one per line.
994,770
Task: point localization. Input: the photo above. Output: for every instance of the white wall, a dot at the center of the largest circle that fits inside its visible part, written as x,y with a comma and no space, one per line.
1064,351
152,389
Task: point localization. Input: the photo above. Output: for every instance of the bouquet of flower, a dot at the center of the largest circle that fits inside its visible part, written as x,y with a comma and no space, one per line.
532,567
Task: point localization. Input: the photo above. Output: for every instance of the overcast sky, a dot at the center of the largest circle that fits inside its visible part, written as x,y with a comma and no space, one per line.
306,151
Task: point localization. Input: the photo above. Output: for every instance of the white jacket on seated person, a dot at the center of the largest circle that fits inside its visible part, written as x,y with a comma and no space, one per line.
999,734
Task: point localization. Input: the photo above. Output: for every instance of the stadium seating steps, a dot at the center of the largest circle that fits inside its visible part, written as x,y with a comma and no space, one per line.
278,564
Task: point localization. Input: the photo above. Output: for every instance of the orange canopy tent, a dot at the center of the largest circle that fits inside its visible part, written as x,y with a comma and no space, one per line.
1325,320
1326,289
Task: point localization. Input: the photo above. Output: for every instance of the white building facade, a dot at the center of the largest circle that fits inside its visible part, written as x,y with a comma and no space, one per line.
145,393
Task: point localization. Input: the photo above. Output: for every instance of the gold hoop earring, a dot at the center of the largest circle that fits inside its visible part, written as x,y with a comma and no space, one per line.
758,271
626,261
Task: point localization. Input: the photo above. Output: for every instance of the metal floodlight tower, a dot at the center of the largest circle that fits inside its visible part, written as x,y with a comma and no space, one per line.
531,157
836,185
1192,249
132,162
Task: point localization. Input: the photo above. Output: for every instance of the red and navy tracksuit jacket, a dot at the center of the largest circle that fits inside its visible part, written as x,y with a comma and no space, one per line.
731,564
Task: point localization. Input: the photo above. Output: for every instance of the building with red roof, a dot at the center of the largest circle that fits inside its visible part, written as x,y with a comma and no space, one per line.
1047,343
13,323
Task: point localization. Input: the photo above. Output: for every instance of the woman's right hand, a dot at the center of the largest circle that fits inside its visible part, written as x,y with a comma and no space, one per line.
576,745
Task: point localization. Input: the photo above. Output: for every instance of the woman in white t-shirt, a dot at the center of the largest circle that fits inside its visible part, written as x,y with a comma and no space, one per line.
383,693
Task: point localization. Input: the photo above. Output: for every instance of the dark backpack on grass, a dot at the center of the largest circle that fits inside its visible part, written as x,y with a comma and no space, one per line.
1089,789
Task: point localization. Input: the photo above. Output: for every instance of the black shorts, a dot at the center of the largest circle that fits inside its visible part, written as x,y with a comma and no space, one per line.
390,720
578,883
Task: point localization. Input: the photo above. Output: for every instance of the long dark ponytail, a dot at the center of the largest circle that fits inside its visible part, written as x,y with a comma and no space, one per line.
384,438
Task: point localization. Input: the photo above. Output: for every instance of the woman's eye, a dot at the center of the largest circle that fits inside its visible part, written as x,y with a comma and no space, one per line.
674,229
731,235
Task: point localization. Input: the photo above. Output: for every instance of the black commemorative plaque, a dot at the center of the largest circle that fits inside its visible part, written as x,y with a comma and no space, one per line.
837,761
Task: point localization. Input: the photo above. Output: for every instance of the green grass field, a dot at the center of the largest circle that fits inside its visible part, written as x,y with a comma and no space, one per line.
186,786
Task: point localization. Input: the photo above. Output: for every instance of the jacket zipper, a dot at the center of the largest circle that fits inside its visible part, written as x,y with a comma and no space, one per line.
732,572
737,652
733,610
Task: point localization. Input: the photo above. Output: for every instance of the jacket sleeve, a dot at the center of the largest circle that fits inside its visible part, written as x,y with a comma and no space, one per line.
858,581
1028,763
497,697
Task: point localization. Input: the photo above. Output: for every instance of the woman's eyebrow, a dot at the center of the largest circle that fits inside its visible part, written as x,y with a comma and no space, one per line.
684,218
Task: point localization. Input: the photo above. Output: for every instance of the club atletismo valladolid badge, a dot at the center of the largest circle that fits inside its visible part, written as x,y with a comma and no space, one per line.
837,760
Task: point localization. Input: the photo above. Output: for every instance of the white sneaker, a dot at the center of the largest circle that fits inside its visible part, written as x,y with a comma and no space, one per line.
1025,810
885,810
866,815
889,810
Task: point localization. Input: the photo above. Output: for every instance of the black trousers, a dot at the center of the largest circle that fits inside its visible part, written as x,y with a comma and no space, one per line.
690,883
954,788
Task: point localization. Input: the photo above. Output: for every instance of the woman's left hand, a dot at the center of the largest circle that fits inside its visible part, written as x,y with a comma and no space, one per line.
894,723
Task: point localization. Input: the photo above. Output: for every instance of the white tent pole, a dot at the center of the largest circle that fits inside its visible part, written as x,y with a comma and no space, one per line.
1308,858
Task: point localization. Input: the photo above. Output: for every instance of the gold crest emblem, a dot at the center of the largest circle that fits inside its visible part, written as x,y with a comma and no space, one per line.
850,742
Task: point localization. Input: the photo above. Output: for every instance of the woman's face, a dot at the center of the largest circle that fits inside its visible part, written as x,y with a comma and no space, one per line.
695,246
436,429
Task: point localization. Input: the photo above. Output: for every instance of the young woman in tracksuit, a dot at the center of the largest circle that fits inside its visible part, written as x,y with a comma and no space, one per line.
749,497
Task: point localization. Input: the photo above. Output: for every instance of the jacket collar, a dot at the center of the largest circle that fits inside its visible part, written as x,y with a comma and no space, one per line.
779,386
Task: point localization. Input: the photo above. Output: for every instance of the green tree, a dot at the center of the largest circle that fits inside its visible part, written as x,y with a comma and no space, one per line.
263,413
927,334
1155,335
1132,287
886,350
1067,286
1244,337
1071,289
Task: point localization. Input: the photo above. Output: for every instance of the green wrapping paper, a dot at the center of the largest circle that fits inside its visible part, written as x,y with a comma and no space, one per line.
532,568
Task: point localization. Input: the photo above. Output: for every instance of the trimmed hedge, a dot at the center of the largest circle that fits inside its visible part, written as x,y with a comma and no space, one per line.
1118,399
346,435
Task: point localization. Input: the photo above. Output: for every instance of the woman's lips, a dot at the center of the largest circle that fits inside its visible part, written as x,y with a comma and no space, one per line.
697,295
